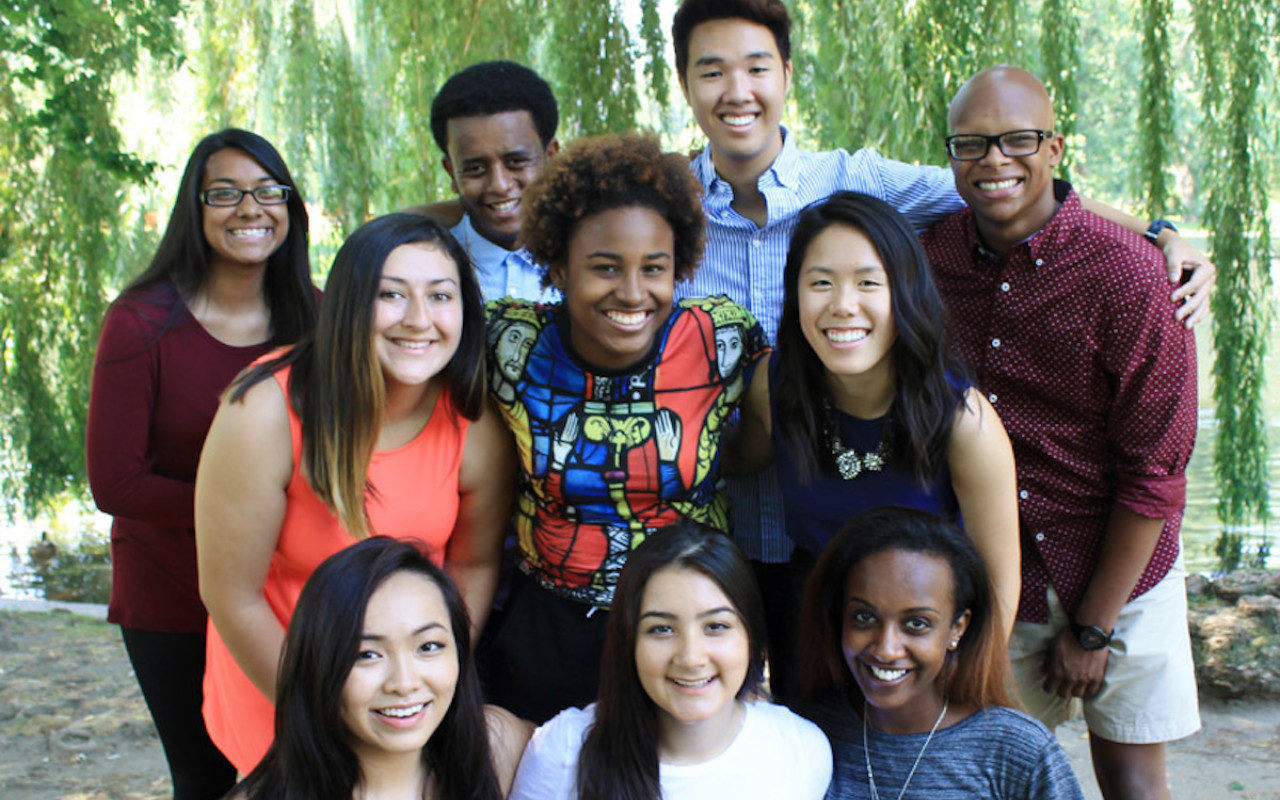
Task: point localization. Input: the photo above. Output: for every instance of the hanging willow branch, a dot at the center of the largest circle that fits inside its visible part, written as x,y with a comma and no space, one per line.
592,67
1230,36
655,64
1060,51
849,85
1155,110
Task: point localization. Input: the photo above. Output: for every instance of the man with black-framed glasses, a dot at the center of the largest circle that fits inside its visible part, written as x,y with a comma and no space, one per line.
1066,322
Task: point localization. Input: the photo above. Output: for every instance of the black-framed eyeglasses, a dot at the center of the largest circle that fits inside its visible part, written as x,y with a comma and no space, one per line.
1014,144
271,195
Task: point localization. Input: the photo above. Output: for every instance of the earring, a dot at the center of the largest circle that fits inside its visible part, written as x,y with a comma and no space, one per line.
954,644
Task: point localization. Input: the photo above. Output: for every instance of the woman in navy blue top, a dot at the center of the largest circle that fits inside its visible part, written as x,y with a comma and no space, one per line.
864,405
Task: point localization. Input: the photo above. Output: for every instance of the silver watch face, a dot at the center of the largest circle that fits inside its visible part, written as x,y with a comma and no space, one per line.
1092,638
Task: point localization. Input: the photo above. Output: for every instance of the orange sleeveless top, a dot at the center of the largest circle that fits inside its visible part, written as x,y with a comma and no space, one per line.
416,498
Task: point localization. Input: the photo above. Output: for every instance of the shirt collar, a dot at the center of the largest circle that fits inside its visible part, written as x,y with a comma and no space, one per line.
1048,239
1055,233
785,169
481,249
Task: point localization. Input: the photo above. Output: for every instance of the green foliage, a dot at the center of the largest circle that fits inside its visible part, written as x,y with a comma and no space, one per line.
344,87
1155,114
1060,52
61,221
356,80
601,70
848,82
1236,129
655,64
875,73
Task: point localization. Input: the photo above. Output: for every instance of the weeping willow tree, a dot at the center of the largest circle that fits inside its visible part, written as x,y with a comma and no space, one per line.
357,78
63,231
881,74
1155,114
1060,52
1238,61
849,87
656,70
344,87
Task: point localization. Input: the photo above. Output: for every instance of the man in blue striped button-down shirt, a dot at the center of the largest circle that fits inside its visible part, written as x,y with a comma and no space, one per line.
734,62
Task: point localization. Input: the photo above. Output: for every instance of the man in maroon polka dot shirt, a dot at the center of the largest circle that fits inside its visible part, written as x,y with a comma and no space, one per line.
1067,324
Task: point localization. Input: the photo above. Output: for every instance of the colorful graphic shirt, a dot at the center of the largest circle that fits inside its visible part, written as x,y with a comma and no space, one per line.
606,458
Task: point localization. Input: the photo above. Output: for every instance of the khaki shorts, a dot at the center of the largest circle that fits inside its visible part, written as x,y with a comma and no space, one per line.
1148,692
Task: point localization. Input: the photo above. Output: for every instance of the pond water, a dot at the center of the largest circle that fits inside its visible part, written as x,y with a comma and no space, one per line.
75,569
1200,526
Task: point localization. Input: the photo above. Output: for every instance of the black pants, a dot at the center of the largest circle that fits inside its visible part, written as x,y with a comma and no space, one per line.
782,588
541,653
170,671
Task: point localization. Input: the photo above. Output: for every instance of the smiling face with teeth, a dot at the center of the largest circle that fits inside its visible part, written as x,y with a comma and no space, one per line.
1011,197
618,284
692,652
243,235
405,674
899,622
417,316
736,84
846,314
491,158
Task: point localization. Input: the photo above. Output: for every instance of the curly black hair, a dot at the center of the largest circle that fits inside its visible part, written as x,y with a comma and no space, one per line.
492,87
602,173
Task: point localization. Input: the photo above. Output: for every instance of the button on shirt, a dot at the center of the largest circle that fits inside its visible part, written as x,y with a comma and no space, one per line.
1096,384
502,272
746,262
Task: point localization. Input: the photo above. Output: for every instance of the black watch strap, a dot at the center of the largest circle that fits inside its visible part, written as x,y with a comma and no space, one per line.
1156,228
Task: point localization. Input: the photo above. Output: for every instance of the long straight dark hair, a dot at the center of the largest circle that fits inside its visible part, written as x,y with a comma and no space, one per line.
975,673
183,255
619,757
311,757
336,384
924,402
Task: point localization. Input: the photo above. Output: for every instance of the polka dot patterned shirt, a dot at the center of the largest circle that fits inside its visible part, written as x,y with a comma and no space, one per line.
1073,340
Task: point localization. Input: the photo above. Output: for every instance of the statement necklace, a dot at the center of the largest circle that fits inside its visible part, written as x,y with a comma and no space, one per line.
866,751
849,462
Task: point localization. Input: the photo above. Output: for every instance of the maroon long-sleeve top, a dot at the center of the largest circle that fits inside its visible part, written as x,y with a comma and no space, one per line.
154,394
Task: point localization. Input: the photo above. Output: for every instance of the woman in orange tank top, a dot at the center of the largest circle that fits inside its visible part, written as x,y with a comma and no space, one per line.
376,425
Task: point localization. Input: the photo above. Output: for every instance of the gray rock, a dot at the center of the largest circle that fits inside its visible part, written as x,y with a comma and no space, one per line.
1198,585
1237,648
1263,606
1234,585
73,741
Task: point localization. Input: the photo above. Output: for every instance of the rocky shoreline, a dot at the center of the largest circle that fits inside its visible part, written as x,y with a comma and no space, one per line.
1235,633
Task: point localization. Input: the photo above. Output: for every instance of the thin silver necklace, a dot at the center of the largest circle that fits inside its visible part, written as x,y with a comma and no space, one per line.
866,751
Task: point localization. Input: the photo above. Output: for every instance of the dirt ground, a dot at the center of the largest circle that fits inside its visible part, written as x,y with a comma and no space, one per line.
73,724
74,727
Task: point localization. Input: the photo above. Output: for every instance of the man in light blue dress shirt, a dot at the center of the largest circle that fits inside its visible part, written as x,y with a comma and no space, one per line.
735,70
496,122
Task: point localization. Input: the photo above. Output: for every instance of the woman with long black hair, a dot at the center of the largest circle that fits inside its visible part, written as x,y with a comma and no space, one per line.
230,281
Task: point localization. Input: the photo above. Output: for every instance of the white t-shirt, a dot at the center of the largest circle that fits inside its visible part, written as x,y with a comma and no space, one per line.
776,754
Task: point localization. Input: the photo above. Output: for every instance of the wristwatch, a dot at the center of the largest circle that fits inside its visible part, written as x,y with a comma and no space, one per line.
1090,637
1158,227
